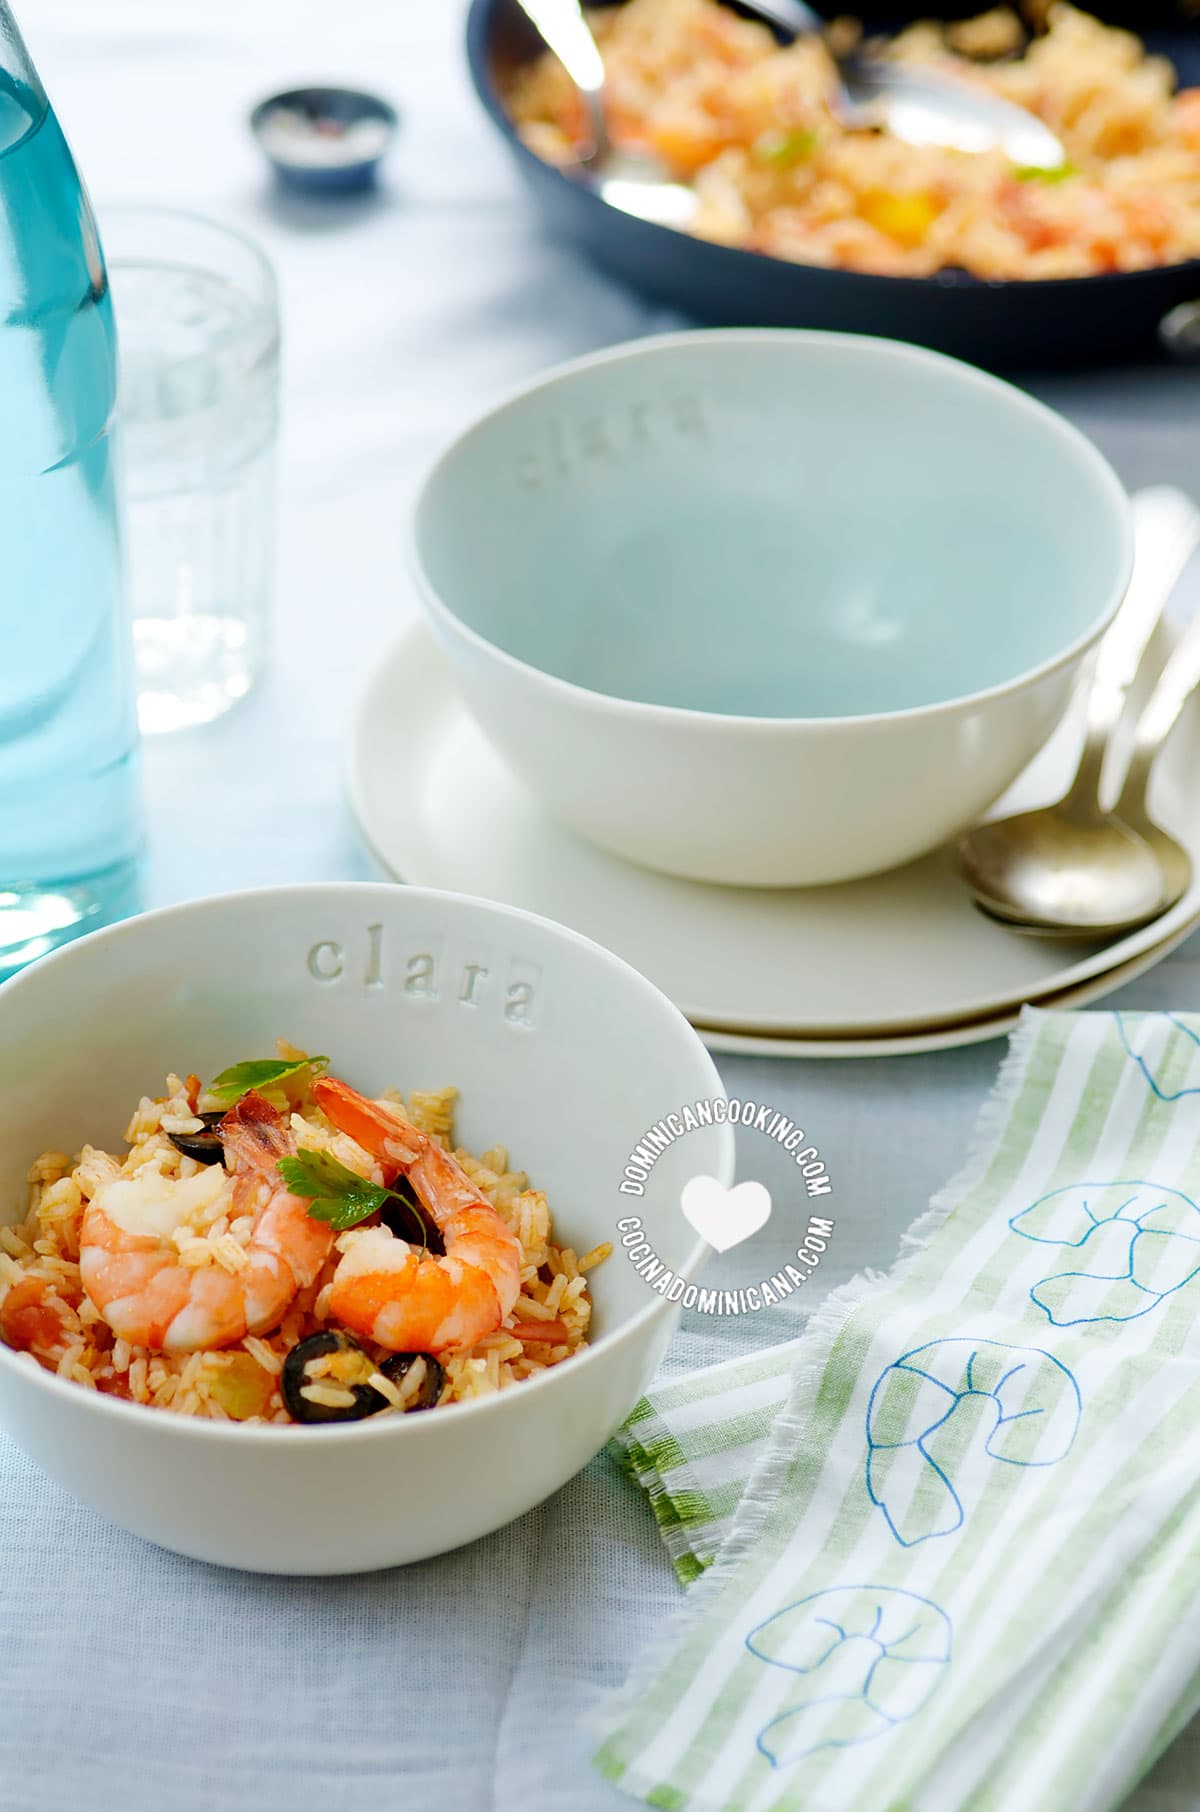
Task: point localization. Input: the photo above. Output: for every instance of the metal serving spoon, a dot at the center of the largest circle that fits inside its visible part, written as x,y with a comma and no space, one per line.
924,108
634,182
1073,867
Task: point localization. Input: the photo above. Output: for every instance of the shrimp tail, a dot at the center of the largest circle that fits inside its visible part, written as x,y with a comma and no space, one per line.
379,1130
255,1134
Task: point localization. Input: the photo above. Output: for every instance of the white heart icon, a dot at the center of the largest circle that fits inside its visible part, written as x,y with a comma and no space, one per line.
725,1217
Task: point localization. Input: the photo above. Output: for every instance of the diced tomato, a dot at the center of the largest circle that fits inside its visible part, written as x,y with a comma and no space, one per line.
553,1331
34,1320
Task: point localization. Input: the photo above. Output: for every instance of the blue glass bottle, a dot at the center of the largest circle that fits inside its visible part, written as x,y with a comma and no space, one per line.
70,819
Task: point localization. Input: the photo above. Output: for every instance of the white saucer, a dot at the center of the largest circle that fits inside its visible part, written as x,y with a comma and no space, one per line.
945,1038
900,962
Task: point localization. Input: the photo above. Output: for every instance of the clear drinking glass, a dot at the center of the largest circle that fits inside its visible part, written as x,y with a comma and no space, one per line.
198,336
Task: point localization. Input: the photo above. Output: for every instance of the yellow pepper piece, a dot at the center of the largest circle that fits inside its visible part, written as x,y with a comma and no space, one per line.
905,218
241,1387
686,145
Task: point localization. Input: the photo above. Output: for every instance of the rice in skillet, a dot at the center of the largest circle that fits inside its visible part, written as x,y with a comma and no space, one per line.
750,126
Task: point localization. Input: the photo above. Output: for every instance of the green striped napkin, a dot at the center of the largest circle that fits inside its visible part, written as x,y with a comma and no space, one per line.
692,1445
949,1540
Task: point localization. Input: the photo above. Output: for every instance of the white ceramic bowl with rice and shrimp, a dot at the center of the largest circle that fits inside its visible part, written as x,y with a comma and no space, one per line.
560,1051
769,608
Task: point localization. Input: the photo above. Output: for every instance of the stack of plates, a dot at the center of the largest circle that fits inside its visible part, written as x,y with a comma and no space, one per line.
900,962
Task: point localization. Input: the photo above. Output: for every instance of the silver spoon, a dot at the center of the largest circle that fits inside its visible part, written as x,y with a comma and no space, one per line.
636,183
1176,683
924,108
1074,867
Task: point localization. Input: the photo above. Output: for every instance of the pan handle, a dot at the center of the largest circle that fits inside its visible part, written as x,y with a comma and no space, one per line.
1179,332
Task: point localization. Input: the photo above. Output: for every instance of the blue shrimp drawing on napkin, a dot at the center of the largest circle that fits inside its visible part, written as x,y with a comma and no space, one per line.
870,1657
1150,1061
1139,1243
913,1451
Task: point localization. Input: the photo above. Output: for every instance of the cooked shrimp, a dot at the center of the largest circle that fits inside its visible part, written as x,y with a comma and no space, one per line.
136,1277
385,1290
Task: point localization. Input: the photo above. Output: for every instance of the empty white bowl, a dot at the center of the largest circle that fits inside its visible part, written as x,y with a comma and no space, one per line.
560,1050
769,608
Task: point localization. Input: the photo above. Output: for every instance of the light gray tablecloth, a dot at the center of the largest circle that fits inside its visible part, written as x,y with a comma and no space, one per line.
133,1681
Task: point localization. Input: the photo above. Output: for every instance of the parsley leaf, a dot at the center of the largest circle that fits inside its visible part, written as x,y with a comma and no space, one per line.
1037,173
342,1198
782,149
229,1087
334,1193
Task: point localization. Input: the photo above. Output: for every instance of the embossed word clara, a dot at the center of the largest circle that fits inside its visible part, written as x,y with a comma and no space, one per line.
428,975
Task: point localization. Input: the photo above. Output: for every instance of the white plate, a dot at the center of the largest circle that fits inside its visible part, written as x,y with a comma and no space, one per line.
943,1038
902,961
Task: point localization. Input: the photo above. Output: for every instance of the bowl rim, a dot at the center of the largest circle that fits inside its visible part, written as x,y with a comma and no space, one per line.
658,1308
480,26
1084,452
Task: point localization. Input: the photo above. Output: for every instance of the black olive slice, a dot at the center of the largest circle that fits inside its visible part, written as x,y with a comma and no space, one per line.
205,1147
403,1215
367,1400
396,1368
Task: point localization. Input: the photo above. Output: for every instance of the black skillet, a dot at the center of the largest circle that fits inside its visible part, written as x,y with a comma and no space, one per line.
1012,325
